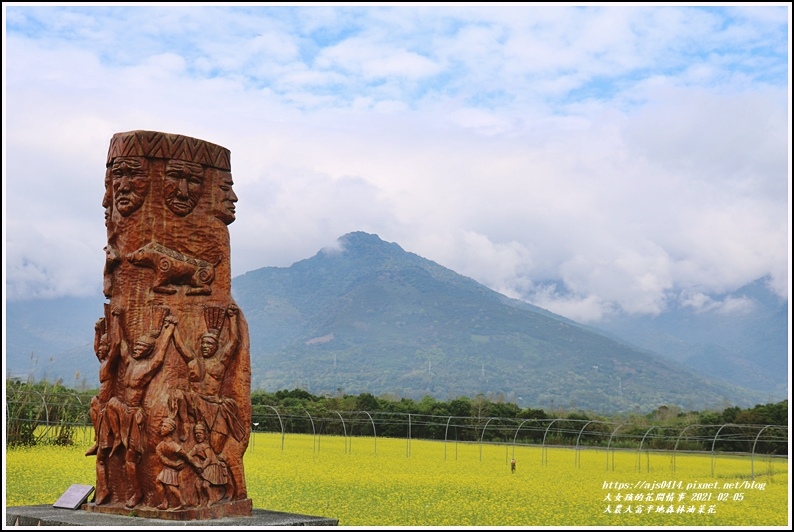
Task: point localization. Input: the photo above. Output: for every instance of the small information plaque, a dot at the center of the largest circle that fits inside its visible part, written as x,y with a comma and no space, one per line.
72,498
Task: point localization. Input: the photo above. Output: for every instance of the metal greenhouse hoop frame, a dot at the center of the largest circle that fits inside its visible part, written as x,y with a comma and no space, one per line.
344,429
639,450
609,443
576,460
280,423
544,455
315,439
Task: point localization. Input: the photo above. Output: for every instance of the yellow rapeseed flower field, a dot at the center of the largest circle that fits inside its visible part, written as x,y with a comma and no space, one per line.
395,482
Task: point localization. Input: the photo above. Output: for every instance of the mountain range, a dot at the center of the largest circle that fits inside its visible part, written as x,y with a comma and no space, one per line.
368,316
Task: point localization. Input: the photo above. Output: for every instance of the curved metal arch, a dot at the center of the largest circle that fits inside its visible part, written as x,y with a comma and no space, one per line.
759,435
752,454
714,442
85,417
682,433
79,401
679,439
374,432
582,431
456,439
344,429
315,446
515,436
280,423
577,463
639,449
80,407
483,434
84,421
46,413
549,426
446,432
544,458
609,444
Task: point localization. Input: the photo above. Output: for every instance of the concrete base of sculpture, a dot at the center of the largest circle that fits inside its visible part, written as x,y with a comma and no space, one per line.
241,508
47,515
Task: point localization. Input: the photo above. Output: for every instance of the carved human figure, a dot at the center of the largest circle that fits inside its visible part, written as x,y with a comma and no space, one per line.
173,458
206,372
126,416
183,185
212,472
98,402
183,404
225,210
131,180
108,365
112,260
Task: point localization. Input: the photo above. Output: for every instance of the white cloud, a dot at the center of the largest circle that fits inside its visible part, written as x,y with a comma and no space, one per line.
584,309
372,61
588,160
702,303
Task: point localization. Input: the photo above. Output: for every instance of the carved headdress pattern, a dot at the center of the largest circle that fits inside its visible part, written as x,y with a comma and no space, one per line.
213,317
158,314
168,146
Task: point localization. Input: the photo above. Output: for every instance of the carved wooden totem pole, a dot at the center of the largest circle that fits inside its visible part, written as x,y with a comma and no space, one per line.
173,413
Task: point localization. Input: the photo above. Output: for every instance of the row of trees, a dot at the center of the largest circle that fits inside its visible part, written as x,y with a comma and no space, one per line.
762,428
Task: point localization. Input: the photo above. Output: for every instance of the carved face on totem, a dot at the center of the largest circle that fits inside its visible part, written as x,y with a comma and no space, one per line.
167,427
228,198
107,200
182,187
103,348
130,177
209,344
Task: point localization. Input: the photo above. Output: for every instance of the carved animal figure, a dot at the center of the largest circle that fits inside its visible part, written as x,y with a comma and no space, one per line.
174,268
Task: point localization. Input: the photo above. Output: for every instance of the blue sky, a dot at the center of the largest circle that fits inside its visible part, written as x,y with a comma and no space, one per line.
592,160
